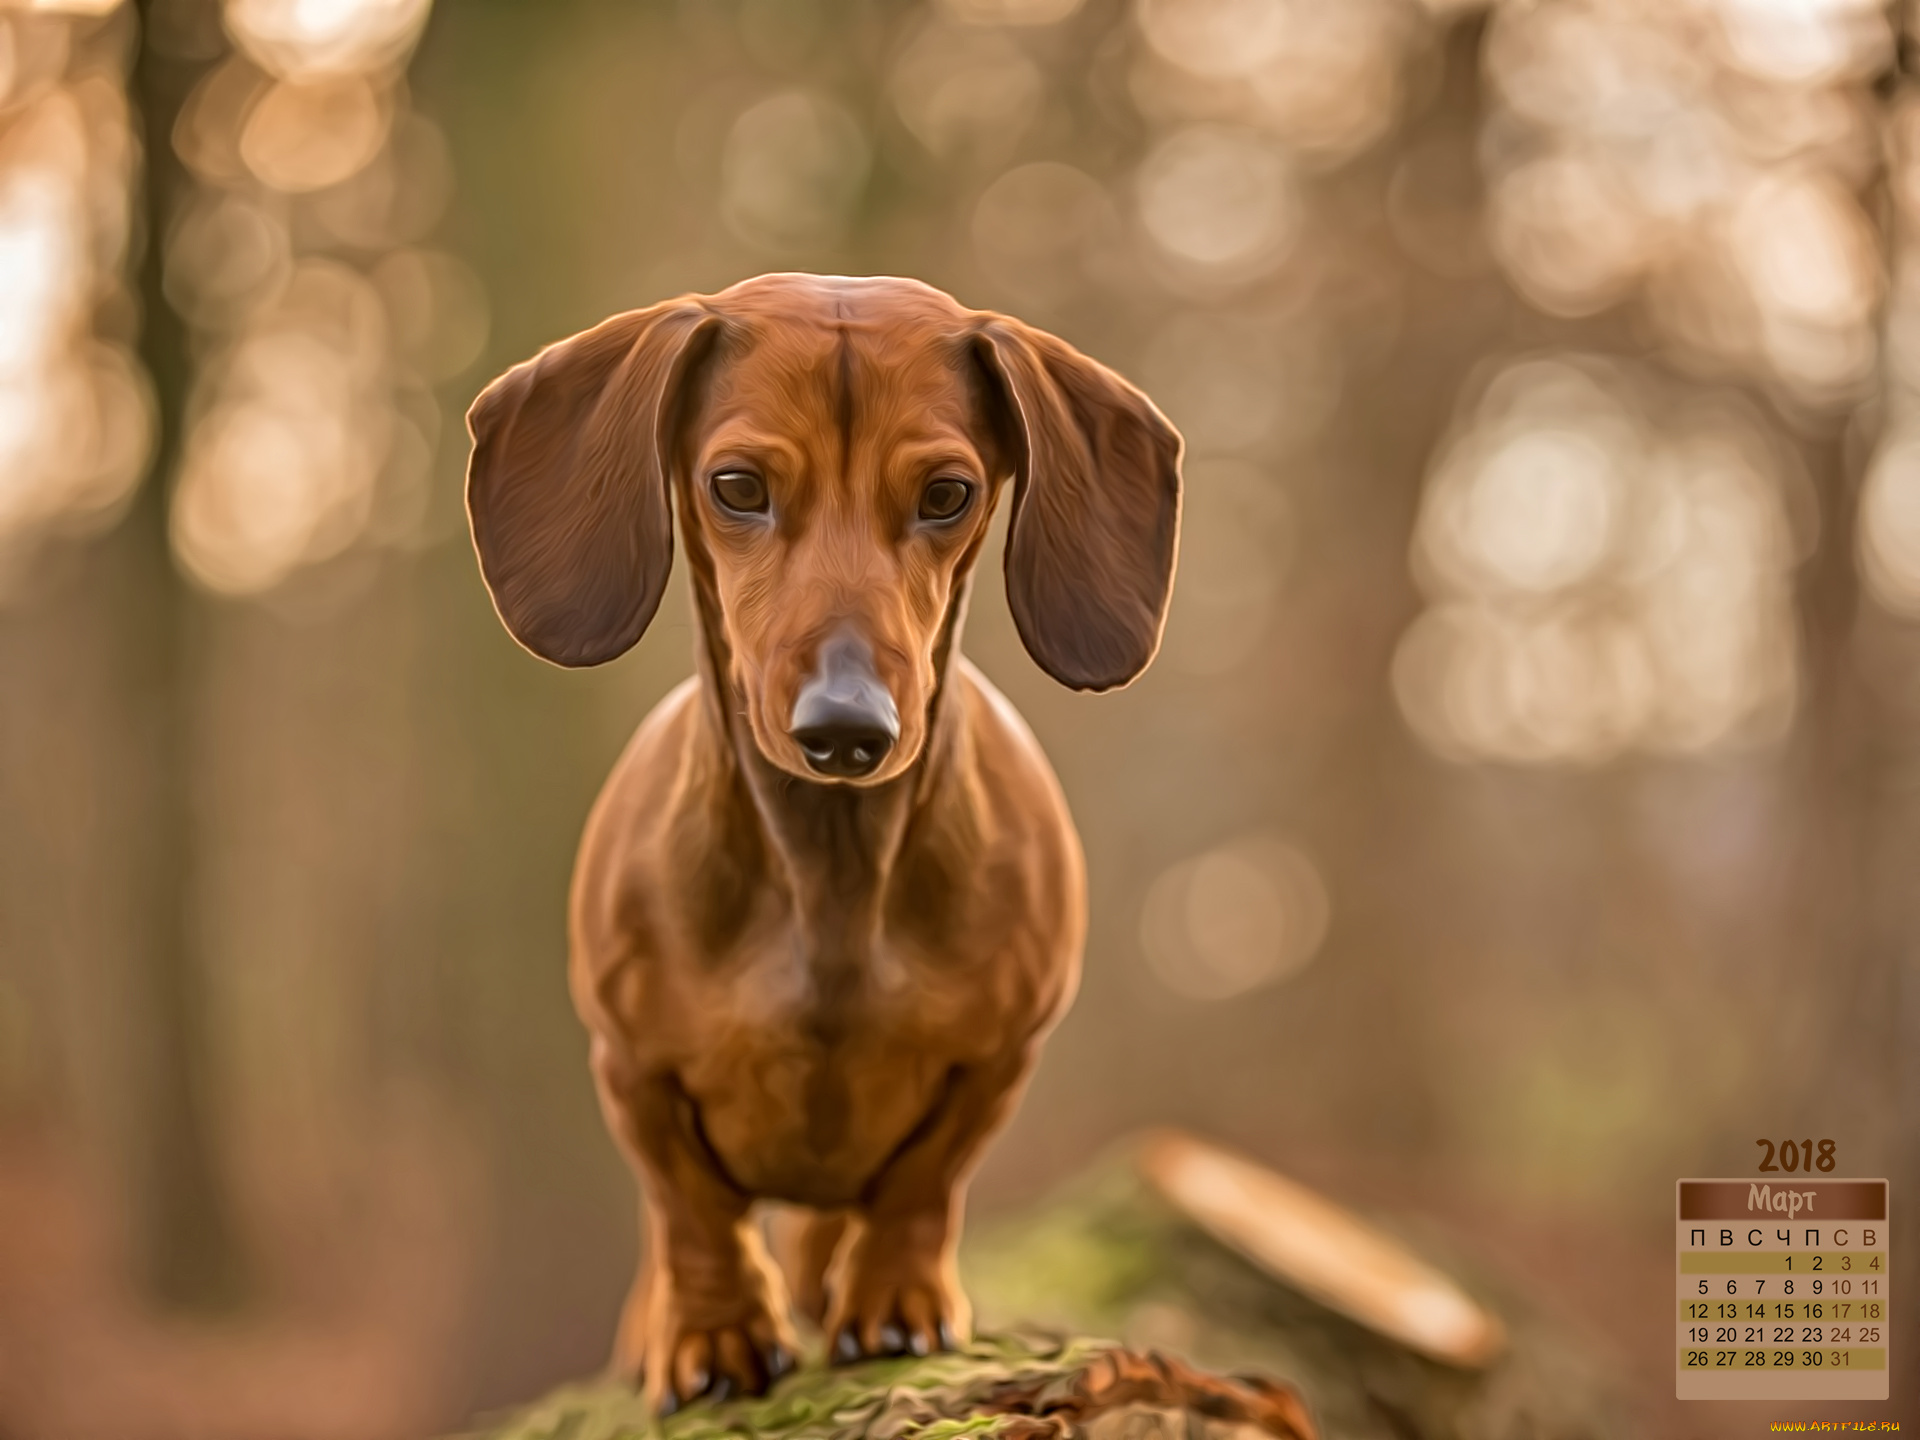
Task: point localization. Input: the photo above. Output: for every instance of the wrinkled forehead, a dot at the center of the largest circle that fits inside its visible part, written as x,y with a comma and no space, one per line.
858,365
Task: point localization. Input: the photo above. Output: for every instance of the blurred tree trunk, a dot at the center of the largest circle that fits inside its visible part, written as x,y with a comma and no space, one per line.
184,1233
1884,730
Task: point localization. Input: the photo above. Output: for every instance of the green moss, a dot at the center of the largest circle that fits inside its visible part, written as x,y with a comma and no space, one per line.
1083,1261
935,1398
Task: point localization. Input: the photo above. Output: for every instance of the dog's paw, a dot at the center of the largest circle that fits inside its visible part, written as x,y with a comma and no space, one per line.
725,1338
716,1364
897,1315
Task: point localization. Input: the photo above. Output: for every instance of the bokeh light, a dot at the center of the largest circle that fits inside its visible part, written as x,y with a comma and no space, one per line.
963,89
305,39
1804,41
1012,12
323,325
1217,37
281,470
1889,542
1608,571
301,137
792,171
1325,80
1038,230
1240,916
1218,198
75,418
229,251
1702,159
1336,84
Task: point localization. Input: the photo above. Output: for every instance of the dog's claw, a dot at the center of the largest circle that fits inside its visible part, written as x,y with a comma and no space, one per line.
846,1346
948,1340
917,1343
669,1403
779,1362
892,1341
721,1390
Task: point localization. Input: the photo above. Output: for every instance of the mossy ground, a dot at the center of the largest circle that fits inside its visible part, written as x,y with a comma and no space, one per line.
1108,1257
935,1398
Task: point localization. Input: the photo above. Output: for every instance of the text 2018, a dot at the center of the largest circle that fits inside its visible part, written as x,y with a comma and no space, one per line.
1795,1154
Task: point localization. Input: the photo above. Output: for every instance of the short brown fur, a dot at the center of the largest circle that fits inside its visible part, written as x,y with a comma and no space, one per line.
824,992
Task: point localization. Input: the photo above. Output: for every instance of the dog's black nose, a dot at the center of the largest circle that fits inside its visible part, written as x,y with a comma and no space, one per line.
844,720
844,745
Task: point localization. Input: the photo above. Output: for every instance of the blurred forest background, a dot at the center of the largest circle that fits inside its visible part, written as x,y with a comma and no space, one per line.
1523,812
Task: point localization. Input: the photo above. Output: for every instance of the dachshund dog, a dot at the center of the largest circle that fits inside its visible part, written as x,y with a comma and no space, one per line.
830,902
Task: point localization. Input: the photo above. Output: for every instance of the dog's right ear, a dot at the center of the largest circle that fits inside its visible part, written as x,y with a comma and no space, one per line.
567,485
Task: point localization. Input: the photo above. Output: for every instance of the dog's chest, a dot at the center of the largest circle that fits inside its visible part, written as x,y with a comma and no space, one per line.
823,1066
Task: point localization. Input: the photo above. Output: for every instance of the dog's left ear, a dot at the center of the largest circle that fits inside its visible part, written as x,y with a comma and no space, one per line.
567,486
1096,508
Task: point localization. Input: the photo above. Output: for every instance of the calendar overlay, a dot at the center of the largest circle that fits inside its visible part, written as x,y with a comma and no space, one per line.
1784,1289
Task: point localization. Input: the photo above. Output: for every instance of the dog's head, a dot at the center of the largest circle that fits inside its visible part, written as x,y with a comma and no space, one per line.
836,447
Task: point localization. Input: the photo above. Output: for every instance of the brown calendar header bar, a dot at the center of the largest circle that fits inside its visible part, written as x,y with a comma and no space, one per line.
1812,1200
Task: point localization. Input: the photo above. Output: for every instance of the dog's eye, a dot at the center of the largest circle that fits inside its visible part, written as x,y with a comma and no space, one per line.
944,499
740,491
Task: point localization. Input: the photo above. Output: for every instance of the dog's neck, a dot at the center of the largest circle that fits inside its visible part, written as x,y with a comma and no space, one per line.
835,850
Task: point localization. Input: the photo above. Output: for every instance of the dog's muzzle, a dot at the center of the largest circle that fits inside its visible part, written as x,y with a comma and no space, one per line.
844,720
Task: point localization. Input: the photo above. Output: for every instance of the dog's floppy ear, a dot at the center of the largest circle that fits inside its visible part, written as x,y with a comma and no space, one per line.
1096,508
567,486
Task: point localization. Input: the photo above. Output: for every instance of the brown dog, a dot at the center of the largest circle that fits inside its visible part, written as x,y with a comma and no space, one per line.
830,901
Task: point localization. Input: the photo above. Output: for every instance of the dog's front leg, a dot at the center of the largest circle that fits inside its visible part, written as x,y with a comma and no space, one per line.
898,1291
707,1313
